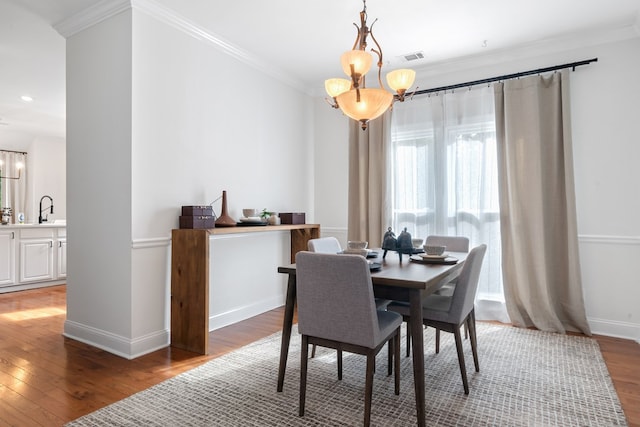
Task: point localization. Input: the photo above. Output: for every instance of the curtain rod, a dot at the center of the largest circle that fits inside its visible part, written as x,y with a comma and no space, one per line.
506,77
11,151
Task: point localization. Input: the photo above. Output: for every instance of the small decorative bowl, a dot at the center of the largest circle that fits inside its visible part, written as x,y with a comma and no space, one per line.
417,243
434,249
355,244
248,213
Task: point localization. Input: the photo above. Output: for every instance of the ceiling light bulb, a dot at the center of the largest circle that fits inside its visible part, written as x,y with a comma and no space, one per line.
26,98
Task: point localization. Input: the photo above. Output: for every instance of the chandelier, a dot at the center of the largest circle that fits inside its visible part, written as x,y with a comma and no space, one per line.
351,95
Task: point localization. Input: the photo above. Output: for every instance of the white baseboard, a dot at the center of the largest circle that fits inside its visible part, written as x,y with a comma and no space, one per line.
242,313
612,328
118,345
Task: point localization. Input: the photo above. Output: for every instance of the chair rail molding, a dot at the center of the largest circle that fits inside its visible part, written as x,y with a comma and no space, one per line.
610,240
151,242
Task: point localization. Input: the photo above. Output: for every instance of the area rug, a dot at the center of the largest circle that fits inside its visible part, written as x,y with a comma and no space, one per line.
526,378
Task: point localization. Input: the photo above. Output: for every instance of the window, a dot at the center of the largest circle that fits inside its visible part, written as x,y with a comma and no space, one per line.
444,177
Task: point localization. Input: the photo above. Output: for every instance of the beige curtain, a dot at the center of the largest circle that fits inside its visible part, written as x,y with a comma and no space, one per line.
368,205
13,192
541,268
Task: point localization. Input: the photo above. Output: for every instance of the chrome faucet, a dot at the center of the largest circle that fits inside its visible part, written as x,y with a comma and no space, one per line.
40,219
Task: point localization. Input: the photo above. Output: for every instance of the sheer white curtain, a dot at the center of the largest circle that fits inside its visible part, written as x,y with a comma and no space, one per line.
444,178
13,192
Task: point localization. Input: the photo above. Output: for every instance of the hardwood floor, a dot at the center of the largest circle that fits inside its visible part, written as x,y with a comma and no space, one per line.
48,380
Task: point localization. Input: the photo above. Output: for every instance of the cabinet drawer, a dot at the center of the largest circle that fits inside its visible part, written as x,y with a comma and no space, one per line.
36,233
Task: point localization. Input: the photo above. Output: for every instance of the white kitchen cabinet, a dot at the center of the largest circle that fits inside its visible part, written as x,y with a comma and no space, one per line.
32,256
7,257
36,255
62,257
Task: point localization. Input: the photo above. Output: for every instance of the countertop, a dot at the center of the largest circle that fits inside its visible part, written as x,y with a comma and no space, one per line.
54,224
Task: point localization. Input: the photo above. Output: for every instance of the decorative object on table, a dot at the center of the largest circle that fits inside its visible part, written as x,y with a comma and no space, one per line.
292,218
274,219
357,244
417,243
254,217
389,241
248,213
271,218
434,259
434,249
225,220
197,217
403,244
252,220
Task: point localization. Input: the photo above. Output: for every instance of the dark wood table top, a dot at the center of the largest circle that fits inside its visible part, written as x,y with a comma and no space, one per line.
406,274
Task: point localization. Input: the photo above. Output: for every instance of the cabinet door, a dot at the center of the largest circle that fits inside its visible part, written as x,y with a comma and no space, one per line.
62,258
36,260
7,258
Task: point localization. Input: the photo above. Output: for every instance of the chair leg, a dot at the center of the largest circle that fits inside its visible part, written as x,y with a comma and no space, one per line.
368,388
408,340
463,369
466,331
339,356
313,351
471,322
437,341
396,359
303,373
391,344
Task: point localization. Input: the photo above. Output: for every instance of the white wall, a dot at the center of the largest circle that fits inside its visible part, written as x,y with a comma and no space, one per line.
331,166
46,164
606,153
99,295
48,169
191,122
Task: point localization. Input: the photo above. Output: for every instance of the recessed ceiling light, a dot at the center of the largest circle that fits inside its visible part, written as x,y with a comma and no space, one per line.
26,98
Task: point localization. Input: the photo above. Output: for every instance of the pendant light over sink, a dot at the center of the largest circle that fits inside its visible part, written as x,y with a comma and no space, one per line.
351,95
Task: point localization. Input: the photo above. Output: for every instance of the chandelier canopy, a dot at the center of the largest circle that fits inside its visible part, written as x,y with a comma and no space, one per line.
351,95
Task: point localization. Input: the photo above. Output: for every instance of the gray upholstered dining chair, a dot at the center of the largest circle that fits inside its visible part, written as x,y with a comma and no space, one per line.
325,245
449,312
331,245
453,244
336,309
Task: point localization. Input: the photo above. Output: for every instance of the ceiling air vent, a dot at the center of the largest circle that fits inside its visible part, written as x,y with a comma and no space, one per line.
413,56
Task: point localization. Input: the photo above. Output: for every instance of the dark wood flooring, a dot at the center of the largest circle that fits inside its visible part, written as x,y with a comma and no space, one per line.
48,380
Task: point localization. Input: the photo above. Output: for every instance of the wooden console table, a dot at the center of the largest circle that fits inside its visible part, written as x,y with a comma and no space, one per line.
190,278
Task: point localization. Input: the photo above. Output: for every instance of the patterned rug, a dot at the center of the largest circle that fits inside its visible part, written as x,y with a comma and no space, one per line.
526,378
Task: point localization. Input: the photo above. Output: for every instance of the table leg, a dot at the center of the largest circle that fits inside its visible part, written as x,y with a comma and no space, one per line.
286,328
418,353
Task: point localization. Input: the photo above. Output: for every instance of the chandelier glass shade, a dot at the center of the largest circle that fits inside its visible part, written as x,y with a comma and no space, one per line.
335,87
366,104
352,96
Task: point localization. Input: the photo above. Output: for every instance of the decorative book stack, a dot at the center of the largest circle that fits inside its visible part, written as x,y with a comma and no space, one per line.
197,217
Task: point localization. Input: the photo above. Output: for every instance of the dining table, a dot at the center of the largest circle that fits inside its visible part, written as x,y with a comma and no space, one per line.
393,277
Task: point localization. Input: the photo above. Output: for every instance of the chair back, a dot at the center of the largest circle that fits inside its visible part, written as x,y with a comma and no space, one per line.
335,298
453,243
326,245
464,294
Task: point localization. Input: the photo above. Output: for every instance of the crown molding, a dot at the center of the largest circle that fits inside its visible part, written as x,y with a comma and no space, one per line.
108,8
91,16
